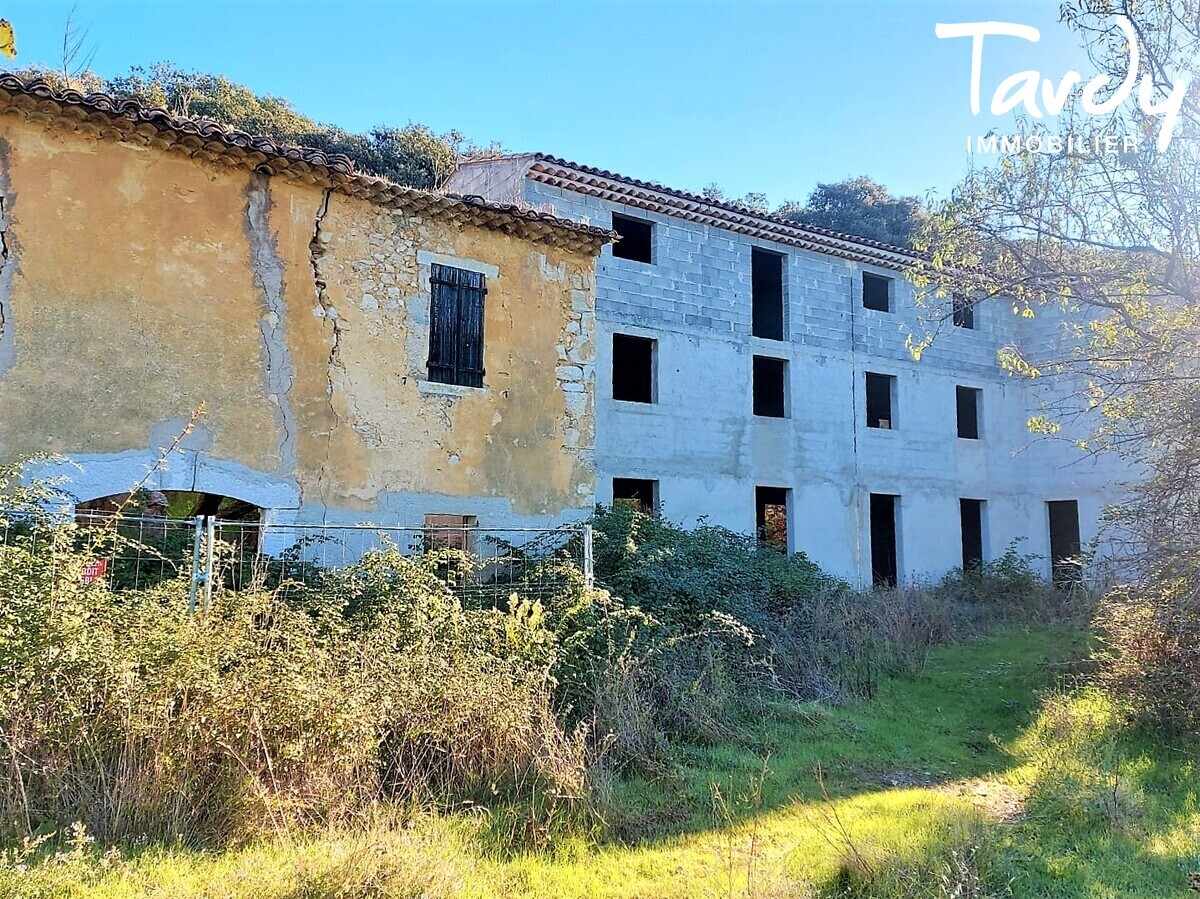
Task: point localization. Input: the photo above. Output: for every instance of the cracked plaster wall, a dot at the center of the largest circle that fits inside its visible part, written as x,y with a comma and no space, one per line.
137,284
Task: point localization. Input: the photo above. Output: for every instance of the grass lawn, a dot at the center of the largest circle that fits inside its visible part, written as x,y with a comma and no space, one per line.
964,781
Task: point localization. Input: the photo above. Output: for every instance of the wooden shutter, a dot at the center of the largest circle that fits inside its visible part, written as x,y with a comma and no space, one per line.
470,333
443,322
456,326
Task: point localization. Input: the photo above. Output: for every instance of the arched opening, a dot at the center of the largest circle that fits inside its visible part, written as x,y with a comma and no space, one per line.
143,537
168,504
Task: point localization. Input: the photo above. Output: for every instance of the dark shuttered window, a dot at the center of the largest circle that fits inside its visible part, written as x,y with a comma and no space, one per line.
456,326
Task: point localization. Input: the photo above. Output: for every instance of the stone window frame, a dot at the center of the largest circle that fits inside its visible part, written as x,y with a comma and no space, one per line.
426,260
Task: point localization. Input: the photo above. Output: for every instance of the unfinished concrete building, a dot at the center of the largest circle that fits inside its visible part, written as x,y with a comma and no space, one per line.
367,352
362,351
754,373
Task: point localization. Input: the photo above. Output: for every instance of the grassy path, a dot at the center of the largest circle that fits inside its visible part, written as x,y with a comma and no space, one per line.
728,830
958,779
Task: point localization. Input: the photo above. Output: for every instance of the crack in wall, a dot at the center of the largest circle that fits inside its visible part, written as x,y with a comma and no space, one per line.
8,343
6,337
267,267
316,249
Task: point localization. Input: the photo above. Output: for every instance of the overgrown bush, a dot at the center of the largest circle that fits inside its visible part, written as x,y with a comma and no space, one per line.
126,713
701,625
312,701
1150,647
681,575
1010,586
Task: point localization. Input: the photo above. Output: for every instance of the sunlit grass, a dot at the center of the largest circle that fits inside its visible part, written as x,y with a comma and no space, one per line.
862,800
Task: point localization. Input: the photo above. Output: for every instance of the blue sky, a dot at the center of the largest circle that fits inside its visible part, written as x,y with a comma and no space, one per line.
755,96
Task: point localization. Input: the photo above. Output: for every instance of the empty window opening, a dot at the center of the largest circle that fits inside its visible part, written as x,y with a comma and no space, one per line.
456,326
968,411
451,532
884,566
1066,566
766,290
964,313
771,517
633,368
637,238
970,513
877,292
880,390
638,493
770,377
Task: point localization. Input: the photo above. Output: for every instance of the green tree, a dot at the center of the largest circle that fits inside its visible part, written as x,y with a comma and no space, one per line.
860,207
412,155
1109,245
214,97
756,201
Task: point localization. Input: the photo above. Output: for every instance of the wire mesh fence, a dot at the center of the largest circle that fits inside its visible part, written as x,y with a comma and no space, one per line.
482,564
489,563
127,552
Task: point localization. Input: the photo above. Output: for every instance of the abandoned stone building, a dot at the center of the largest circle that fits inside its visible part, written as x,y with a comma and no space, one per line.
754,373
368,352
361,351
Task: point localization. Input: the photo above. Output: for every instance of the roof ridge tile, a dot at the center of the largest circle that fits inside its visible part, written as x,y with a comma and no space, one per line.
730,208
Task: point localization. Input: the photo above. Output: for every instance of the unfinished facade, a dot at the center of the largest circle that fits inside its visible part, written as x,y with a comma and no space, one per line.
362,351
754,373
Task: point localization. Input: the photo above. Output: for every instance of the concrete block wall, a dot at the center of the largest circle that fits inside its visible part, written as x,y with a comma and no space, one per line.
708,452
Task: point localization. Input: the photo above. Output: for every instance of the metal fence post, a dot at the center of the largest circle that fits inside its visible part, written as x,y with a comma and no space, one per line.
210,540
589,574
197,539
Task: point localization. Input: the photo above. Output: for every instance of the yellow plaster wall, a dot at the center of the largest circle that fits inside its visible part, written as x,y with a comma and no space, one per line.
135,297
131,300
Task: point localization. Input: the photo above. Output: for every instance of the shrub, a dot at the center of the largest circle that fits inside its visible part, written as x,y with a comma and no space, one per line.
1010,587
681,648
681,576
303,701
126,713
1150,647
703,625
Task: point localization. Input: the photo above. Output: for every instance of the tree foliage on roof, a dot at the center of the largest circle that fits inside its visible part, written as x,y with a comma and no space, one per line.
860,207
412,155
755,201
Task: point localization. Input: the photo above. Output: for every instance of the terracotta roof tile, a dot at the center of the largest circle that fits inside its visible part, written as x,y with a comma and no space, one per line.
650,195
129,120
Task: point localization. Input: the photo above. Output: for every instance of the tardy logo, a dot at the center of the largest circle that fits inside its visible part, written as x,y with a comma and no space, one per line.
1021,88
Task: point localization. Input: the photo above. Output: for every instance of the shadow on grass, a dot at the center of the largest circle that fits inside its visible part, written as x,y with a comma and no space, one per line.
1110,813
952,721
